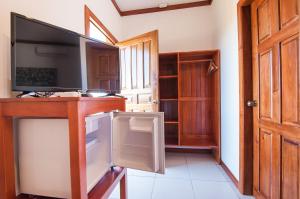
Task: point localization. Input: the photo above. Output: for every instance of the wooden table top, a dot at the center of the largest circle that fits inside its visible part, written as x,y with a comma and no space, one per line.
60,99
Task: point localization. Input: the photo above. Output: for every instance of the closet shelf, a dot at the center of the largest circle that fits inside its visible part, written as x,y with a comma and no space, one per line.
171,122
168,76
171,141
194,98
170,145
200,143
170,99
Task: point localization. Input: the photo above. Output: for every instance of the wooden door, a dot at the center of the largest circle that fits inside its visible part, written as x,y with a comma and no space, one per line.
276,84
139,72
103,68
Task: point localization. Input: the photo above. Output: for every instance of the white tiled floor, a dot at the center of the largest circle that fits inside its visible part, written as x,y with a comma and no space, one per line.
188,176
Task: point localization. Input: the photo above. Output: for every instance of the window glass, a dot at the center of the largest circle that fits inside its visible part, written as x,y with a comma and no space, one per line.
96,33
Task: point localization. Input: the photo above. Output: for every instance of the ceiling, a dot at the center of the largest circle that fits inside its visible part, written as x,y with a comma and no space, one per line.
126,5
132,7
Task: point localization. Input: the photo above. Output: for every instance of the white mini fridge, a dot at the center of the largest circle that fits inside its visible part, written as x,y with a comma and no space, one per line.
131,140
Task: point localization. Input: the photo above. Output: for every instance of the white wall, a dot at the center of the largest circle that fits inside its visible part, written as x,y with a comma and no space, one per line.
203,28
179,30
227,41
65,13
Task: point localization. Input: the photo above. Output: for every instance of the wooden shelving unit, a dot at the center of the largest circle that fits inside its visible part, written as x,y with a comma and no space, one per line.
168,76
168,81
190,99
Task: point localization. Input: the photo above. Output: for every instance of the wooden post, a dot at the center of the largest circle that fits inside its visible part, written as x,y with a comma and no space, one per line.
7,167
123,186
77,151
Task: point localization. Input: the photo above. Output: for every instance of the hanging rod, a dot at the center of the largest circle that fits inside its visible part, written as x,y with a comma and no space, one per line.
196,60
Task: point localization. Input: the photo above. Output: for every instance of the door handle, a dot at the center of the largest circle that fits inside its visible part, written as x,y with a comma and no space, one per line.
251,103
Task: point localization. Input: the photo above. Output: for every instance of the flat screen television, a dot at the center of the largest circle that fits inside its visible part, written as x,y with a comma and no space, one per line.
47,58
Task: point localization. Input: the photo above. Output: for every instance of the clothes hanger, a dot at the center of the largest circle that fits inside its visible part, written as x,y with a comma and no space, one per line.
212,67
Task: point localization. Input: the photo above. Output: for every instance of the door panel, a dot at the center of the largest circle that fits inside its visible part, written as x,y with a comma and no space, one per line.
103,70
290,169
265,79
290,80
138,141
139,75
134,64
147,68
265,164
193,110
289,12
276,81
196,103
264,23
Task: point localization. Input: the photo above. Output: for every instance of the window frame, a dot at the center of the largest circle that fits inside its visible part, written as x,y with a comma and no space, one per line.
90,17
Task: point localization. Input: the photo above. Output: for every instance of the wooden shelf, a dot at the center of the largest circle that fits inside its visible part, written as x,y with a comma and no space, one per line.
199,143
168,88
168,76
170,108
171,134
171,99
171,146
171,122
190,100
168,64
171,141
194,98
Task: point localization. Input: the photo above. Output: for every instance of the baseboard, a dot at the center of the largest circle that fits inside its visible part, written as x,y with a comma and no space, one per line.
185,150
229,173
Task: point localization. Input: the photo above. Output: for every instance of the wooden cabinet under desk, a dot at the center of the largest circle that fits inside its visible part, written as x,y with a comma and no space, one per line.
87,134
189,88
74,109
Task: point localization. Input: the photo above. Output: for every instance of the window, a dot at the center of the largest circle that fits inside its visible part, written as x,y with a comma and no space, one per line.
95,29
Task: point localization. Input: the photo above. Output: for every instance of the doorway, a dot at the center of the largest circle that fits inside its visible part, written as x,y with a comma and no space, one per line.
269,98
246,95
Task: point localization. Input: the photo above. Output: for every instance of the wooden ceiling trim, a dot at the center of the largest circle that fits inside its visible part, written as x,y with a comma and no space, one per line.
157,9
117,7
88,15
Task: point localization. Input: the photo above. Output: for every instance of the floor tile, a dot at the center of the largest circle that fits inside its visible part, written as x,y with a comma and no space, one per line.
180,172
176,167
134,172
116,193
213,190
224,173
172,188
206,172
138,188
188,176
205,159
235,189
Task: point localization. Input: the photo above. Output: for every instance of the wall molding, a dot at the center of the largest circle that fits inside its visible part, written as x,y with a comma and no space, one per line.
88,15
157,9
230,174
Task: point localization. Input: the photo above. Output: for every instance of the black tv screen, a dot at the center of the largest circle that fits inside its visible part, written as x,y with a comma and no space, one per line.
50,58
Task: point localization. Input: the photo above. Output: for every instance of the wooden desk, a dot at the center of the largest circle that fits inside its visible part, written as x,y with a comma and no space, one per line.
75,109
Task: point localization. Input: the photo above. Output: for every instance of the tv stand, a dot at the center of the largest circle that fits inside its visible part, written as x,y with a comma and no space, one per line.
75,109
